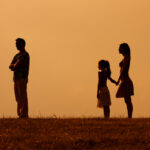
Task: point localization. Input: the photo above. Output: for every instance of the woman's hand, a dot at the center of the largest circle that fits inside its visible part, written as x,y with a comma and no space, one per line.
117,83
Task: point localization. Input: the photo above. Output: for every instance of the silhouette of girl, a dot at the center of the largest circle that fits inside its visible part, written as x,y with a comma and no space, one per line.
103,94
125,89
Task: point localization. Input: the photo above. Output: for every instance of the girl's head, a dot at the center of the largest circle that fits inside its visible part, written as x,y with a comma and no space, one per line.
124,49
104,65
101,64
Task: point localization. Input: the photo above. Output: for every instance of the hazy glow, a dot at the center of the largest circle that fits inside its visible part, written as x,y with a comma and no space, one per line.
65,40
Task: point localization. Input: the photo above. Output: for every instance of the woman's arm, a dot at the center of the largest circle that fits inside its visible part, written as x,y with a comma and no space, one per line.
125,67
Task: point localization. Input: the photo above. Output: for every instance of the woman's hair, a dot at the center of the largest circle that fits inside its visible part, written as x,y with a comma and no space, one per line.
124,49
105,64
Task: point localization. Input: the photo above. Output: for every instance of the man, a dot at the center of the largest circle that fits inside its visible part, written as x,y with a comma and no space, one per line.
20,67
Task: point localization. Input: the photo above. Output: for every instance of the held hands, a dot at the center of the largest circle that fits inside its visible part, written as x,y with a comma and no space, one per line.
117,83
114,81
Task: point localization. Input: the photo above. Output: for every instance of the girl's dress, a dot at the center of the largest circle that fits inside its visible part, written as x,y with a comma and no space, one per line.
104,99
126,88
104,95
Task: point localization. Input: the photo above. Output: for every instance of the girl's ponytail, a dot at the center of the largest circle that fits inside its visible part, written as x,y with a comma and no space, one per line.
108,68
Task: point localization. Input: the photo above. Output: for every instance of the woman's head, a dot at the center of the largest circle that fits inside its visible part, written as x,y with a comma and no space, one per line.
104,65
124,49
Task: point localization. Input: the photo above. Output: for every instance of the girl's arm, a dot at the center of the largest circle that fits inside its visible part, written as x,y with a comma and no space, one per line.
98,91
98,87
99,81
112,80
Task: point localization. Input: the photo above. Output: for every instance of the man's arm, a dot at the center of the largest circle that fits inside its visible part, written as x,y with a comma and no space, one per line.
12,64
17,61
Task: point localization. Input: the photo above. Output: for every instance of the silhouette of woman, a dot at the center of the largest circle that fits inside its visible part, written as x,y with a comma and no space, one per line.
103,94
125,89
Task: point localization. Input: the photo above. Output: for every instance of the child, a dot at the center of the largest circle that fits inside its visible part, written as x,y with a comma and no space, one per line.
103,95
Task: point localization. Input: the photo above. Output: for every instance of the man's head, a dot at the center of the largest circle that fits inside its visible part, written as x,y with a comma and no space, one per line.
20,44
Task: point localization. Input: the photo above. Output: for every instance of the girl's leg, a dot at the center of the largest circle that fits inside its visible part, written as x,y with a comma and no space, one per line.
129,106
106,111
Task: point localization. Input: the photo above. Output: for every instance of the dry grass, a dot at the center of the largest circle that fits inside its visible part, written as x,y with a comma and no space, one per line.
76,134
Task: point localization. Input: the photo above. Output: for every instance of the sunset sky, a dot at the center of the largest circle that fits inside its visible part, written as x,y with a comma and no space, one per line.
65,40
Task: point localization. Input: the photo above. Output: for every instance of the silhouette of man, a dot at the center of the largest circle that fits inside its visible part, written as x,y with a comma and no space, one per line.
20,67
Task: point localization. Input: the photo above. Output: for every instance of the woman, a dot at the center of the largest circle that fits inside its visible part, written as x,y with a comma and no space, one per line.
125,89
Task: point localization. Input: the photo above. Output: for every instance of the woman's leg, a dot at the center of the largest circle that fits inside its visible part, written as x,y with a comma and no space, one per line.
129,106
106,111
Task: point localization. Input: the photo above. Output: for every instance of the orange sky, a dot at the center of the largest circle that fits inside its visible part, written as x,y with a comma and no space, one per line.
65,40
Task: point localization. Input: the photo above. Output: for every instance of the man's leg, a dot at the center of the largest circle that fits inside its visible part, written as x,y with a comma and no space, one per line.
17,96
24,98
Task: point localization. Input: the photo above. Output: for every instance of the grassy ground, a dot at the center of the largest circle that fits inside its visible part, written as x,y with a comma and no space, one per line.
74,134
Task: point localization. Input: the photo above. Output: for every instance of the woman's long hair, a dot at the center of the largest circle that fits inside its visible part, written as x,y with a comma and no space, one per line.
124,48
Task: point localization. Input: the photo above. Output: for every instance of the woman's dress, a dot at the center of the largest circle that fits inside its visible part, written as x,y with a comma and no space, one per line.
126,88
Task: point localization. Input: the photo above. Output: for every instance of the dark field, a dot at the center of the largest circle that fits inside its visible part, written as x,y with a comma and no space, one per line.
76,134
